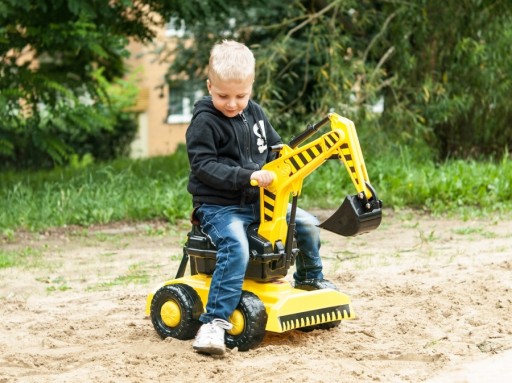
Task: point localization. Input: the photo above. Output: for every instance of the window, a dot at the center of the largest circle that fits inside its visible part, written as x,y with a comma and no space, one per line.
182,96
175,27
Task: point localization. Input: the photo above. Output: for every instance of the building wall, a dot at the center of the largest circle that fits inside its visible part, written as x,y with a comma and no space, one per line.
155,136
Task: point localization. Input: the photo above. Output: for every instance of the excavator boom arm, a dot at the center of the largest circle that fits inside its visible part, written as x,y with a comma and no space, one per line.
294,164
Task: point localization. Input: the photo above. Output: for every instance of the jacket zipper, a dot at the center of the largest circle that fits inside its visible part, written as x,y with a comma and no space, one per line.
247,137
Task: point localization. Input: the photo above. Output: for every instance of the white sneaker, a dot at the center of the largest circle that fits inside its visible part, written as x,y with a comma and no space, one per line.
210,337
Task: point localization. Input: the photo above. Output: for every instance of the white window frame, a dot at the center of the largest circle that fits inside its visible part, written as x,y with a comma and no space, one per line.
175,27
184,113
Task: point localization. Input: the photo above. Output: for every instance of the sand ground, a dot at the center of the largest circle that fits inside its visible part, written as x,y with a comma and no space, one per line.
433,298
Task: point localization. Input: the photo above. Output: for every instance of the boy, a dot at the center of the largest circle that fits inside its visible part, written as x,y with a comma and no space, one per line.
228,142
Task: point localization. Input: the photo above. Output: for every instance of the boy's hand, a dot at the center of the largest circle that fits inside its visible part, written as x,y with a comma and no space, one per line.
262,178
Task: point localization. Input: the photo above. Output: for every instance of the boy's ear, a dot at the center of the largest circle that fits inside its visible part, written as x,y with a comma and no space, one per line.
208,85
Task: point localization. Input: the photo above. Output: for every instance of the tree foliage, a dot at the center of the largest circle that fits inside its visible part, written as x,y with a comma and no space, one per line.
442,69
54,58
452,70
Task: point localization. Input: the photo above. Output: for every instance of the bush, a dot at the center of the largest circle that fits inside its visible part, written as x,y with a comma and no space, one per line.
99,127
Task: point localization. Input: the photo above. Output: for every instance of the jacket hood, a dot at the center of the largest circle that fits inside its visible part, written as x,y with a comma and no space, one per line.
203,105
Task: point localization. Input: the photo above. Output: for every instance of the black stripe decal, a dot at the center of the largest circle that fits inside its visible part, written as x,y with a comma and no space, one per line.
312,317
269,194
303,158
294,163
328,142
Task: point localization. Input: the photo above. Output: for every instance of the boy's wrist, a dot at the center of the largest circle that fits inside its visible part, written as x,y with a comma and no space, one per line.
244,175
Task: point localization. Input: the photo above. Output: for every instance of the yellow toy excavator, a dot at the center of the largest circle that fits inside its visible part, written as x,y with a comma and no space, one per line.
268,301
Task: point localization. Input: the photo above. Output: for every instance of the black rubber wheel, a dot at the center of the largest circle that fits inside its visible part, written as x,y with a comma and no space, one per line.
249,321
328,325
175,311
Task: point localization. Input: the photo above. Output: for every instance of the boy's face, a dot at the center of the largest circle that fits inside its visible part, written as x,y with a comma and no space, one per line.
230,97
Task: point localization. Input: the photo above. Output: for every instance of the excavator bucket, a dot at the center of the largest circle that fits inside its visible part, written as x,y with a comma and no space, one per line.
352,218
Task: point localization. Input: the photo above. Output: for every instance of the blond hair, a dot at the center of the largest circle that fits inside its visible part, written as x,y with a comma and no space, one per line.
231,61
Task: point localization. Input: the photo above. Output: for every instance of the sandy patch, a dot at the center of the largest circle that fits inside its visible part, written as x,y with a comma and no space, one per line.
433,299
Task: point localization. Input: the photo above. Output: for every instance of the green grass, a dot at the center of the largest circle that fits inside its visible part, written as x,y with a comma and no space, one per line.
55,284
26,257
7,259
472,231
136,274
155,188
455,187
134,190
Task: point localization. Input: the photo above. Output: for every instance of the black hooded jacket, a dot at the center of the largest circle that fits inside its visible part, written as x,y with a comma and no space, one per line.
223,153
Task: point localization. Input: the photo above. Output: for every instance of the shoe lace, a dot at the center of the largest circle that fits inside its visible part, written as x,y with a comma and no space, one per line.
223,324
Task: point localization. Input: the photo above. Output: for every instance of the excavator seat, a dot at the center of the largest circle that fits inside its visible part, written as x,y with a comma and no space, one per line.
265,262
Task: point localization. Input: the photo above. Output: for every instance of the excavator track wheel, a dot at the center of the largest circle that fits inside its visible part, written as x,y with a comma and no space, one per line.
175,311
249,321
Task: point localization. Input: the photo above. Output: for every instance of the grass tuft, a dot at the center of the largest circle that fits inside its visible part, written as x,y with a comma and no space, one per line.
155,188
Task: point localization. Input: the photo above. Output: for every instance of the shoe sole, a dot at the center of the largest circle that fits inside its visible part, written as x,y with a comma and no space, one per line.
209,350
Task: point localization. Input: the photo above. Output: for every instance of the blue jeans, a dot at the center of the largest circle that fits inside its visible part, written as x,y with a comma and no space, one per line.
226,226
